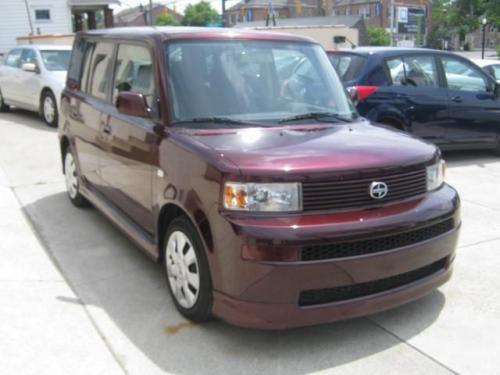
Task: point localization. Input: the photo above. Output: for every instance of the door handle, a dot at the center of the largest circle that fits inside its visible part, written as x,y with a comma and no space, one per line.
106,129
457,99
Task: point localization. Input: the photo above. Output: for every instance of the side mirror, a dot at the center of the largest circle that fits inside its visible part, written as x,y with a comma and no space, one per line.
133,104
30,67
353,94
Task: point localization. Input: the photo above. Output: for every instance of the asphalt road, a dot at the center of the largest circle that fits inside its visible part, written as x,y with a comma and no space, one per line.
112,313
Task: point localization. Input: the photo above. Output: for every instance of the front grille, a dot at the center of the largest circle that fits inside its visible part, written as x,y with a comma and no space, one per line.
342,293
375,245
353,193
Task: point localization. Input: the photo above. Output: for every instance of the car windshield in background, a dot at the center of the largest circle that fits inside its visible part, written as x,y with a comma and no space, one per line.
348,66
254,81
56,60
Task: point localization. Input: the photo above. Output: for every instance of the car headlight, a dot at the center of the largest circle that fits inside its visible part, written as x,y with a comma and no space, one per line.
435,175
263,197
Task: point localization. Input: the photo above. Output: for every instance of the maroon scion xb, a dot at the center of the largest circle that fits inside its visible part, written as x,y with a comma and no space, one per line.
236,159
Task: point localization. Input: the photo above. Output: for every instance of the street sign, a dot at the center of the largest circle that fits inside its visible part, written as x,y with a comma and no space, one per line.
415,22
402,14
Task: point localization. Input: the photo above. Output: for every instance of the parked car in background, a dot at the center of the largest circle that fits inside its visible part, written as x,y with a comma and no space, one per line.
491,67
436,95
268,200
32,77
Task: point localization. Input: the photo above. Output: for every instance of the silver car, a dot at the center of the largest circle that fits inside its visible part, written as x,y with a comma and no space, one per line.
491,67
32,77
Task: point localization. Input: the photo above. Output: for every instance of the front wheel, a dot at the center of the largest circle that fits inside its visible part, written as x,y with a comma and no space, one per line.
72,181
49,109
186,267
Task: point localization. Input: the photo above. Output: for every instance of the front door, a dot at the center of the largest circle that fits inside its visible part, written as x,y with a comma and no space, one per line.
473,109
127,164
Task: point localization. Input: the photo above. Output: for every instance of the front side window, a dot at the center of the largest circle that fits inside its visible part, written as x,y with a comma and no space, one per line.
28,56
134,72
55,60
252,80
462,76
13,59
100,68
417,71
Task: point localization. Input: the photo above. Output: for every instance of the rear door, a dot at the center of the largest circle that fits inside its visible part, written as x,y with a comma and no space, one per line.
129,142
473,109
418,93
86,107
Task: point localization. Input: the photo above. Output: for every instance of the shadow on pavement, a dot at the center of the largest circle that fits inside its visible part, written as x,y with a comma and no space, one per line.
26,118
108,273
479,158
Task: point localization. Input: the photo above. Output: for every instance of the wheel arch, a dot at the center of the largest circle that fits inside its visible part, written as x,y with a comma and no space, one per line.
170,211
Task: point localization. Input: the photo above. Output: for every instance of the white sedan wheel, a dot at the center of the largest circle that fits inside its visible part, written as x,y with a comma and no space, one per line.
70,175
49,109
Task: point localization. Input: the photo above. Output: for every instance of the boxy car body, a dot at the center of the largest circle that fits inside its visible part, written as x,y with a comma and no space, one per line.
198,139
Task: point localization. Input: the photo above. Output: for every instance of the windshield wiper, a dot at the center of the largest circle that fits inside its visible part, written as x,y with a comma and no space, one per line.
217,120
318,116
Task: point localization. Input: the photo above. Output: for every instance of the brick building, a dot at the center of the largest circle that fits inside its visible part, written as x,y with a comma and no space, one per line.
412,18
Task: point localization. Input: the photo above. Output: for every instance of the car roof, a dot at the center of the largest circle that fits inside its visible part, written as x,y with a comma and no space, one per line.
483,63
45,47
390,51
179,32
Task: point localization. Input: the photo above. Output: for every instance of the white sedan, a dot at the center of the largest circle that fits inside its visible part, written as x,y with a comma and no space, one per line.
32,77
492,67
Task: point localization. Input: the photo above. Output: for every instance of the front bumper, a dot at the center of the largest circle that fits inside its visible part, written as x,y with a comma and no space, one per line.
269,294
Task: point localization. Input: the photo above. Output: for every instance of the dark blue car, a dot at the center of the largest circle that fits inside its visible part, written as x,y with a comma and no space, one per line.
436,95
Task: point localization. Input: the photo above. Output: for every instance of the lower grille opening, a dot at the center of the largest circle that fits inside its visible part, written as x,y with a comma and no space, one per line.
343,293
375,245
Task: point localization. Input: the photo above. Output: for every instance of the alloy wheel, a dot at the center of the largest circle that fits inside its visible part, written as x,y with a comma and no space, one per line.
70,175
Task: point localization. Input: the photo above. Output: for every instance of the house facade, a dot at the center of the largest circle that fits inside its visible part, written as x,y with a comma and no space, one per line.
139,15
20,18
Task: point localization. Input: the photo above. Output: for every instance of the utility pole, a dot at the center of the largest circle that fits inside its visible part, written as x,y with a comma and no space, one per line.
391,24
150,12
223,13
29,18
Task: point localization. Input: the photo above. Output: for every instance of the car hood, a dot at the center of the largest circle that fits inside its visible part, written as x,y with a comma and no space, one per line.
314,148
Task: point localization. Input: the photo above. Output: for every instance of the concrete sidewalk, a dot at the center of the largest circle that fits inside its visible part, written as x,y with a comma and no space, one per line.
44,328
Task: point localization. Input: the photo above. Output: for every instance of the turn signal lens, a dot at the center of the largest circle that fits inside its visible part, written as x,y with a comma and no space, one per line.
435,175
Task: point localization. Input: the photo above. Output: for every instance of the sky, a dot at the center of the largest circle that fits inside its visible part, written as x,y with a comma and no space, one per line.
180,5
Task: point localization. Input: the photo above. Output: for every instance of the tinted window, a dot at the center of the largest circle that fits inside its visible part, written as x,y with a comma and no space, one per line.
348,66
252,80
418,71
13,59
134,72
77,57
100,68
42,14
461,76
55,60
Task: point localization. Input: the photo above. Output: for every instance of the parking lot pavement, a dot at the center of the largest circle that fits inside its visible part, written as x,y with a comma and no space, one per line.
122,307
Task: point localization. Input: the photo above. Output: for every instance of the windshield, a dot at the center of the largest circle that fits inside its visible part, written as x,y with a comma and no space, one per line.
55,60
257,81
348,66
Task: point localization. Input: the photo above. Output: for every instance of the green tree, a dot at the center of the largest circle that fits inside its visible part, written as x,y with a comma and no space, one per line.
377,36
166,20
200,14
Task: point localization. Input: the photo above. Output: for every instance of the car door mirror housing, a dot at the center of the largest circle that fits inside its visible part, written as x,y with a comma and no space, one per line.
133,104
30,67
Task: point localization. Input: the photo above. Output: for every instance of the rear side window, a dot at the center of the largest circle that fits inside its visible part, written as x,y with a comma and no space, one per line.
100,70
13,59
417,71
75,66
348,66
134,72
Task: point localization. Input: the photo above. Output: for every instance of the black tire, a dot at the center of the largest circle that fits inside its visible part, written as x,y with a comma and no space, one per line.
393,124
3,107
50,118
201,310
75,196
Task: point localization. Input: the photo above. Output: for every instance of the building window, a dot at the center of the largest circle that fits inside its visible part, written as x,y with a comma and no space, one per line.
42,14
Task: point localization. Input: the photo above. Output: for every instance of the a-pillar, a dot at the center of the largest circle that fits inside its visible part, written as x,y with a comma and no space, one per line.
91,24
